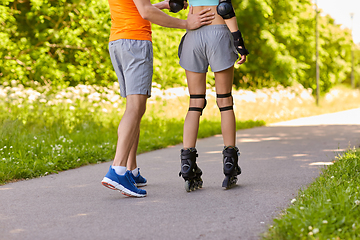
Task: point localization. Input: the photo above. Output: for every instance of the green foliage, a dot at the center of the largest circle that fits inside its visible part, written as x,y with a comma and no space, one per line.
66,43
280,36
58,42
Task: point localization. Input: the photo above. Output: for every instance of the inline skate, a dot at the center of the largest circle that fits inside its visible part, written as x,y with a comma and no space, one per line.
231,166
189,170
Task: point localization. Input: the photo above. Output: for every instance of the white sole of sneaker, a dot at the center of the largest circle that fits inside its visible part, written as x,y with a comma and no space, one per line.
116,186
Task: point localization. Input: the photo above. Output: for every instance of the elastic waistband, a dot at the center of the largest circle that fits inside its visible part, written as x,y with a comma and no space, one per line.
210,27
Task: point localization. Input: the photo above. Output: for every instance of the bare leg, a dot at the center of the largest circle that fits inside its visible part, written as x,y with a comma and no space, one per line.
131,164
128,131
197,85
223,85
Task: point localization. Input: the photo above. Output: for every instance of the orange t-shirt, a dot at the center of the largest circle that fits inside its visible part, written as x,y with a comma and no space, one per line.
126,21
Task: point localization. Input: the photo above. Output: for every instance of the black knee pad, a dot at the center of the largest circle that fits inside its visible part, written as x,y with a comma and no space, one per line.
197,109
226,95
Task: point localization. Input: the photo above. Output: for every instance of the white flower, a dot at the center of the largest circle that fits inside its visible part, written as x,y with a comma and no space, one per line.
72,108
302,208
325,222
293,200
357,202
316,230
310,228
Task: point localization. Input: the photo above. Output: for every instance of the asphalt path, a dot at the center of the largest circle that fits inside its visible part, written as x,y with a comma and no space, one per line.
276,161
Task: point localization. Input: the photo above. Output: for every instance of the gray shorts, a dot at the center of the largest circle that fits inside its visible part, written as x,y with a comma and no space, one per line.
209,45
133,63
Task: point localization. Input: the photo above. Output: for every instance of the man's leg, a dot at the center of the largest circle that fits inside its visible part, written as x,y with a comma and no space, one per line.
129,128
131,163
128,135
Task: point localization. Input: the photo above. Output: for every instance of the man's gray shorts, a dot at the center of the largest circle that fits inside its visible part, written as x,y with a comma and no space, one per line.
209,45
133,63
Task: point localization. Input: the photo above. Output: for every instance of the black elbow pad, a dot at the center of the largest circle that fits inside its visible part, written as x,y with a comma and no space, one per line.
176,5
225,9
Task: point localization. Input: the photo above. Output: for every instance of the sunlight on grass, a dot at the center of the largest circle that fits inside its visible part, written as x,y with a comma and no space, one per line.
44,130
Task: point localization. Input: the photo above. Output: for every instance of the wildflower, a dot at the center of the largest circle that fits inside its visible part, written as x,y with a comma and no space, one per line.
316,230
311,233
332,177
302,208
310,228
357,202
35,137
325,222
293,200
11,146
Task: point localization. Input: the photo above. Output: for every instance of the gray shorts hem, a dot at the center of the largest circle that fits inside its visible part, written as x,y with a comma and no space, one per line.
213,70
136,93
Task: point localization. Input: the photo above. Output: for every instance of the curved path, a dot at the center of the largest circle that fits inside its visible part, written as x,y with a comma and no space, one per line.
276,161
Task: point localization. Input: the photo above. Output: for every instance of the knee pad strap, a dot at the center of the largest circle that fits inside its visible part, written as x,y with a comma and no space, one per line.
198,109
226,95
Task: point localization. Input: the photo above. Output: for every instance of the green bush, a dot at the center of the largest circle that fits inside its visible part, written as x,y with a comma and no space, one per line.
65,42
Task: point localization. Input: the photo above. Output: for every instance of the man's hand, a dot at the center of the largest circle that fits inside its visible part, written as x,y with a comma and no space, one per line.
199,19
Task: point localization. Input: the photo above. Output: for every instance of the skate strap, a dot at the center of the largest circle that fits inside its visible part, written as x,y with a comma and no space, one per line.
191,155
230,152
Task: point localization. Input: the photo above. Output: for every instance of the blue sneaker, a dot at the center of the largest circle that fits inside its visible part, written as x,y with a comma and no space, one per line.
140,181
124,183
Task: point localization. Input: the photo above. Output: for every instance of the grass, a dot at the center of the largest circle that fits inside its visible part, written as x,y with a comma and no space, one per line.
45,130
328,209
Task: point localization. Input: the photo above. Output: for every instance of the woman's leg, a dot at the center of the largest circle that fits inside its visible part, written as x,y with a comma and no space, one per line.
197,86
223,85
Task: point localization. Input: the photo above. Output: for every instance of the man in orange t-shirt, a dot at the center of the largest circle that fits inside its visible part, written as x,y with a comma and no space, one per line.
131,54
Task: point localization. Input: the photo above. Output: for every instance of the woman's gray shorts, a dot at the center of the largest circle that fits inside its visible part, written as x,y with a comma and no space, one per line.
209,45
133,63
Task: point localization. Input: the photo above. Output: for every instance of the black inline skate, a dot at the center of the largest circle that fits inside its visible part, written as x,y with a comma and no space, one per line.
189,170
231,166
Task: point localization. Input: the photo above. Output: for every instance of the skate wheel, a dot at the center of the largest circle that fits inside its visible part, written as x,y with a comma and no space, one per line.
187,186
229,182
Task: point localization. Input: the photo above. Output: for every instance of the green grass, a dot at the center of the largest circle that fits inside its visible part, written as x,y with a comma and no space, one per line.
42,140
328,209
44,130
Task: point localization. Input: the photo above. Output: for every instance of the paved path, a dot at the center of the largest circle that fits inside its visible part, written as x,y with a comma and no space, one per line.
276,162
